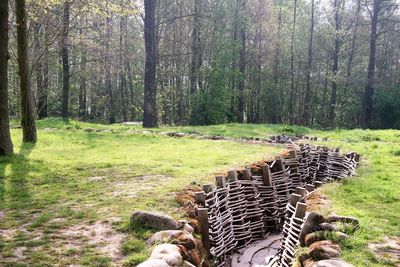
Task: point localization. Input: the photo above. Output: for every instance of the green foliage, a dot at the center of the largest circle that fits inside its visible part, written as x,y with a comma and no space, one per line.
387,110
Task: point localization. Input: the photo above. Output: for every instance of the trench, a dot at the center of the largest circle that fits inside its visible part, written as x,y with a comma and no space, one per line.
253,217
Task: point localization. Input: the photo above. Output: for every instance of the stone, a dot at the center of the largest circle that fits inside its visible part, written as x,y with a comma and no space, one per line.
332,263
323,235
324,250
327,227
311,224
177,237
89,130
187,264
169,253
153,263
186,226
155,220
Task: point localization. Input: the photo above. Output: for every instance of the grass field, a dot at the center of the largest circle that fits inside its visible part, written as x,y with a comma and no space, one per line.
67,199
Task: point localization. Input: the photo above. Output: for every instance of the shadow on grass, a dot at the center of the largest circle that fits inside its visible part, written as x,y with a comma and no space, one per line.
14,192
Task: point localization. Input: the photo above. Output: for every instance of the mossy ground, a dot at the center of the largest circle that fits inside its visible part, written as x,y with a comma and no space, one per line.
72,177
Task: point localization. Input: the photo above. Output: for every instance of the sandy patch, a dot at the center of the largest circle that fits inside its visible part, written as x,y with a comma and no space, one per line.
99,234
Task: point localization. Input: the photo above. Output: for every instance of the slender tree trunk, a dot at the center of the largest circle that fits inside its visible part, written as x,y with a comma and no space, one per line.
196,49
38,67
352,48
82,86
65,60
6,146
132,106
122,77
42,103
27,107
366,115
150,87
275,116
307,97
43,90
335,66
292,83
242,63
107,69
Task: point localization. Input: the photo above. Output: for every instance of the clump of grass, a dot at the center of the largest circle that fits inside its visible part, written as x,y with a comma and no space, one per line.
135,259
369,138
96,260
132,246
396,153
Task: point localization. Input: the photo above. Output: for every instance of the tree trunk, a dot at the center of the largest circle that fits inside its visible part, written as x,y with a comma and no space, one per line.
352,48
335,65
132,106
6,146
42,94
292,85
307,97
39,66
366,114
196,49
242,63
82,86
276,102
122,77
65,60
150,89
27,108
107,69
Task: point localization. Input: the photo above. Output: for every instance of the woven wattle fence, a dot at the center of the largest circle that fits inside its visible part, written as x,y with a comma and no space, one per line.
246,205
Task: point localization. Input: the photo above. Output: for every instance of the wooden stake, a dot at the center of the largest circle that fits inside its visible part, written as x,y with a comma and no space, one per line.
200,198
301,209
280,166
294,198
247,174
207,188
202,217
300,191
310,187
220,181
266,174
293,154
232,175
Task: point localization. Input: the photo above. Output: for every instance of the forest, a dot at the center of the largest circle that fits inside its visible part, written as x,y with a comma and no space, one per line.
332,63
286,113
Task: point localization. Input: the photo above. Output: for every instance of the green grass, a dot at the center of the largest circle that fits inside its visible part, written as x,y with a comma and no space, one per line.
85,177
74,177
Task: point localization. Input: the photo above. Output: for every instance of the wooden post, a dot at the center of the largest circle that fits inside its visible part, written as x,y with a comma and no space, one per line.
200,198
220,181
318,184
266,174
357,157
202,217
232,175
208,188
280,166
293,154
294,198
301,209
247,174
300,191
310,187
337,150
